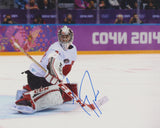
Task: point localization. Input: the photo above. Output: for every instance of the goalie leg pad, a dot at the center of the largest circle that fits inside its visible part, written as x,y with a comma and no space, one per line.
44,98
50,100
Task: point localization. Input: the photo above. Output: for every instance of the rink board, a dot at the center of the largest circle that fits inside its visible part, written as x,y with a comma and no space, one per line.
87,52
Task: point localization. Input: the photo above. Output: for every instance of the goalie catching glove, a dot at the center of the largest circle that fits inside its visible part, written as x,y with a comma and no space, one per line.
54,70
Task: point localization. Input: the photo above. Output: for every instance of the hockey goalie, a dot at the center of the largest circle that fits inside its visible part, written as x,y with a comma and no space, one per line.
42,90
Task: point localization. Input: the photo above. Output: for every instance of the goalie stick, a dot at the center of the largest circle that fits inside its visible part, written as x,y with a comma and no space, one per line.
65,88
22,50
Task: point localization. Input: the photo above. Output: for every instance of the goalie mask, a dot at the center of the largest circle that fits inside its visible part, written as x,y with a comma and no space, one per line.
65,37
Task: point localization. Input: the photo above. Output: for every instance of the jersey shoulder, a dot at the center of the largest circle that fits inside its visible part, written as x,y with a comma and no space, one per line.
72,47
54,46
72,52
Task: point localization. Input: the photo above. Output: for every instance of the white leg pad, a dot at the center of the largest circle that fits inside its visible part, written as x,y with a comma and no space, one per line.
44,98
50,100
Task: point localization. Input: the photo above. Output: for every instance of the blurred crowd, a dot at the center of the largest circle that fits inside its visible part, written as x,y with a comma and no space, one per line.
118,4
69,20
80,4
133,20
35,4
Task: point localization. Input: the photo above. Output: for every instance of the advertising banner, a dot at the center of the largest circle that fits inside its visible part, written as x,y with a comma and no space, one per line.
29,37
117,37
86,37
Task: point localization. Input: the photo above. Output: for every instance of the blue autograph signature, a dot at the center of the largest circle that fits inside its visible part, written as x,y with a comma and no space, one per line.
86,99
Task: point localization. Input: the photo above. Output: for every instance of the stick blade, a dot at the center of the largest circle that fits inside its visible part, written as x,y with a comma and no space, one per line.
101,101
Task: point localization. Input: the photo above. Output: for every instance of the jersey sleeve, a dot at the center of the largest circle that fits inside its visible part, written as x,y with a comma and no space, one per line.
67,67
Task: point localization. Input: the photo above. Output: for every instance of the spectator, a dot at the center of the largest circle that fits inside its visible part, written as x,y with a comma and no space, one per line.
119,19
53,3
21,3
156,3
68,19
38,20
132,4
44,4
80,4
31,5
135,19
135,6
8,20
114,4
150,5
102,4
66,1
143,4
5,21
91,5
128,4
35,20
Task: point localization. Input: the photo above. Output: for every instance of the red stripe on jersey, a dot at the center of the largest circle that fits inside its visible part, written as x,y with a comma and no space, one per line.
67,68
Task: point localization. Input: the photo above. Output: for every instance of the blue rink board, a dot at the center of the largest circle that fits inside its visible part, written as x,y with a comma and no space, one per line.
6,103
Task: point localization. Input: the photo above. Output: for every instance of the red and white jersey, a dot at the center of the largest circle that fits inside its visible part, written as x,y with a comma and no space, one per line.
69,56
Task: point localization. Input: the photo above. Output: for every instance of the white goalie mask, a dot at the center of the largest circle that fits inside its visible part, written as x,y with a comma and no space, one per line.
65,37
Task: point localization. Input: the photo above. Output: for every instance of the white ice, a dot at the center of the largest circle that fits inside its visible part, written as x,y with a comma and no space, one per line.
131,83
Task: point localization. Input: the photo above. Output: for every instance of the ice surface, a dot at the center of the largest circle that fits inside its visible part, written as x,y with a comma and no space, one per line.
131,83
